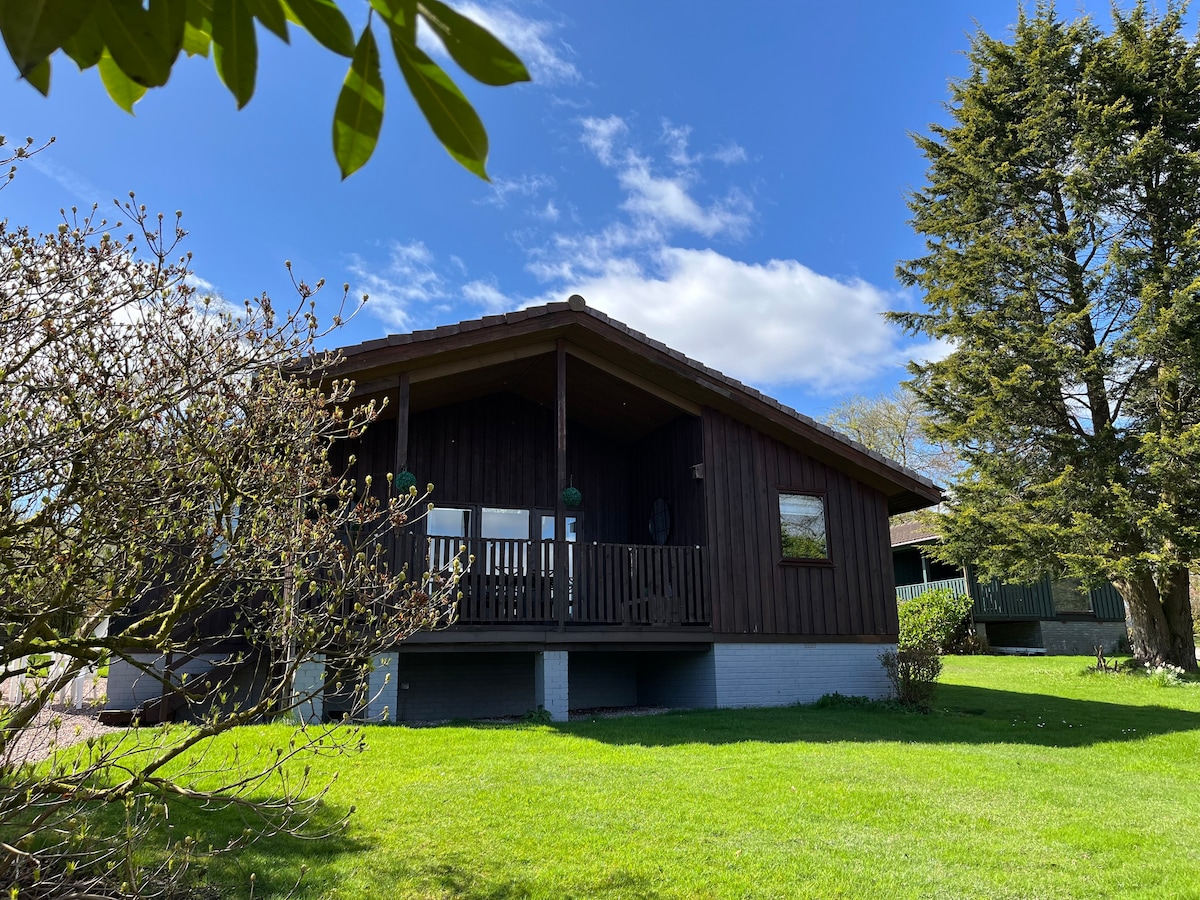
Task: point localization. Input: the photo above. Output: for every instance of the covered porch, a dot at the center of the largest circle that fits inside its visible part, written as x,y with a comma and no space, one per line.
575,483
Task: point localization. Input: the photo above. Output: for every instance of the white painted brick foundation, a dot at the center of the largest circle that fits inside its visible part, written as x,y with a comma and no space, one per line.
129,686
381,688
310,679
550,683
780,674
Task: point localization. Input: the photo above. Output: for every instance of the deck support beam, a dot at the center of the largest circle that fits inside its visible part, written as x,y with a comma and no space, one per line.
550,683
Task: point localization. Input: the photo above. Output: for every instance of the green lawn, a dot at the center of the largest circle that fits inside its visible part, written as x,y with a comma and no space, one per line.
1031,779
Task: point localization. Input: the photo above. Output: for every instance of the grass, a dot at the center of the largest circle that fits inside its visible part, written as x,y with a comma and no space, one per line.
1030,779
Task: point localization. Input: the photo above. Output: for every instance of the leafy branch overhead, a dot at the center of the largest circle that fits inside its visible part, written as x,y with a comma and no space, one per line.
134,47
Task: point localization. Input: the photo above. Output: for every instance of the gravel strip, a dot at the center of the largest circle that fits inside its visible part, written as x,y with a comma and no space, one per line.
54,729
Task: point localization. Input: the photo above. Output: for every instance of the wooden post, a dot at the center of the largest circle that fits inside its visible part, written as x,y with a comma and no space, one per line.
399,559
402,427
561,572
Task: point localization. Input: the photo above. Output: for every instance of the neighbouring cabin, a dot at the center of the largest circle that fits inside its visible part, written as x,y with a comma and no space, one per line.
1053,616
644,529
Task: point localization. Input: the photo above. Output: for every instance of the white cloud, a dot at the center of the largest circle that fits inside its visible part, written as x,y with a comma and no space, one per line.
730,154
201,285
487,295
676,138
501,189
771,323
546,57
410,276
601,136
665,202
71,181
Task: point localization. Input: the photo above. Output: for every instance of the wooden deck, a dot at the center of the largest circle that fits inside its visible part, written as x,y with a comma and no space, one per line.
511,582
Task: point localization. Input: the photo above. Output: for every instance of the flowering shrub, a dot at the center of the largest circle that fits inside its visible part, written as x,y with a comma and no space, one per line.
1164,674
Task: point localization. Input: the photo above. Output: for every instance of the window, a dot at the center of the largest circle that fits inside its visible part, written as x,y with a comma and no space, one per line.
548,528
448,521
506,535
1070,596
506,524
802,526
448,528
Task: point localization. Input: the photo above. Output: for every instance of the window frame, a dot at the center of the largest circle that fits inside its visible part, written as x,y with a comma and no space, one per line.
818,494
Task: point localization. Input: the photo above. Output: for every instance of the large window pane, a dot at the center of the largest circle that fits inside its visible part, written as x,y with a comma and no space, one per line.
502,528
512,524
448,528
448,521
802,526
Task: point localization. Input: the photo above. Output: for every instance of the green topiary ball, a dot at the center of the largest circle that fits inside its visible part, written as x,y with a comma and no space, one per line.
571,497
405,480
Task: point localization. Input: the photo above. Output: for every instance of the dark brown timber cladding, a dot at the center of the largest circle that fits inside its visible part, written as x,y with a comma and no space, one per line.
499,451
662,465
752,591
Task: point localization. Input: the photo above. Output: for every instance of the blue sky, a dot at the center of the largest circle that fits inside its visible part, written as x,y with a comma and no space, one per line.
728,179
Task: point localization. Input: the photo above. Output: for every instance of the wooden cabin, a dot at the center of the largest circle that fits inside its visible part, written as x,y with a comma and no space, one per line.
1051,616
717,548
646,530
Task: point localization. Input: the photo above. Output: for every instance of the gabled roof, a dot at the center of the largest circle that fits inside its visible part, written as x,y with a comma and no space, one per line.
907,533
452,350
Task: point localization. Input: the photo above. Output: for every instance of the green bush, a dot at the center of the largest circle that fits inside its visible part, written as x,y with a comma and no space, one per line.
930,624
913,672
933,618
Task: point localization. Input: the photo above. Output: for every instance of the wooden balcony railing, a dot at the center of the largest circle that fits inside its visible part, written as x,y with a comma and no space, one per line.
908,591
511,582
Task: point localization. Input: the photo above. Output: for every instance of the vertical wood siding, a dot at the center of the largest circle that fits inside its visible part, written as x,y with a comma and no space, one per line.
750,589
499,451
661,466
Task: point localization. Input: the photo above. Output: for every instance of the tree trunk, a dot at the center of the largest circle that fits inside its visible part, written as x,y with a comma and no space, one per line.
1160,619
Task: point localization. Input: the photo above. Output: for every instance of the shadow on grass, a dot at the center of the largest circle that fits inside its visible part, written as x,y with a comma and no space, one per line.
448,877
962,715
275,861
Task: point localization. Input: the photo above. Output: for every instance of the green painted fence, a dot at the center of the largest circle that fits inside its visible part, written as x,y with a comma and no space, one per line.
908,591
996,600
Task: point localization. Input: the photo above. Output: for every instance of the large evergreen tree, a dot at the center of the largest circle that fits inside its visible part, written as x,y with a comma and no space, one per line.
1062,227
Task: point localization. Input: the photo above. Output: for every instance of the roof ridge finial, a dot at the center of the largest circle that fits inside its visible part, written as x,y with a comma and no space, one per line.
577,303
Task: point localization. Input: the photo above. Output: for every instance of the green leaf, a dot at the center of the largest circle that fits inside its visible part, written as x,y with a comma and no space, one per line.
401,16
131,39
235,50
33,29
271,14
167,18
39,77
86,44
477,50
359,113
449,113
197,29
325,22
124,91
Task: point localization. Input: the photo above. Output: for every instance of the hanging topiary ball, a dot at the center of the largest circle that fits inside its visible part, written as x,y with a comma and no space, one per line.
405,480
571,497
